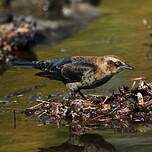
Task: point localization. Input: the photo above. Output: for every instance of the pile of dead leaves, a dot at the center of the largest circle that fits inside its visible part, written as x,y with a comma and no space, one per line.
126,109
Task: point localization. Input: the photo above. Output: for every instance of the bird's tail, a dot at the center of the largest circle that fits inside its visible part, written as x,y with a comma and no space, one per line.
24,64
42,65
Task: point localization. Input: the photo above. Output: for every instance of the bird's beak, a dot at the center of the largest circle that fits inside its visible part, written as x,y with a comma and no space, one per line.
127,66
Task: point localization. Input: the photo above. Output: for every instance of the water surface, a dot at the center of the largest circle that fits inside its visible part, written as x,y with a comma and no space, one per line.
118,31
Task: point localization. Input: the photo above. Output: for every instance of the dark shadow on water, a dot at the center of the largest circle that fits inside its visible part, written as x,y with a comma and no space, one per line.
83,143
28,55
65,147
24,55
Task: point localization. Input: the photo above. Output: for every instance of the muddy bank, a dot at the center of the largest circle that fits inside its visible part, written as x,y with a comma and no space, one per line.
50,9
76,20
18,34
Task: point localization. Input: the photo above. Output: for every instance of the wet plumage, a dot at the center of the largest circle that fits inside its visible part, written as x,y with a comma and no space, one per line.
81,72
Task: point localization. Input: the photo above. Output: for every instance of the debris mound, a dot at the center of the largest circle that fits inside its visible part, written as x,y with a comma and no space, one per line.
126,109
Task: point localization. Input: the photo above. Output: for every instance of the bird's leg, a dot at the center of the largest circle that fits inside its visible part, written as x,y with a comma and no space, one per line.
74,89
73,93
69,95
81,94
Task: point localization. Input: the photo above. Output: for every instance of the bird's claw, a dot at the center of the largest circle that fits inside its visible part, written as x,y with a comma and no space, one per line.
72,94
68,96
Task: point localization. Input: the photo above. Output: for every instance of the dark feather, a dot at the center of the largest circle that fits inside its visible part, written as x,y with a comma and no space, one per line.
52,65
65,69
74,71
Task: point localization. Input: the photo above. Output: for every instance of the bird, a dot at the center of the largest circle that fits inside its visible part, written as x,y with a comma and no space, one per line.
79,72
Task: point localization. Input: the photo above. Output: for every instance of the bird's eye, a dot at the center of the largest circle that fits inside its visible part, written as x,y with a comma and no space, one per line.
115,63
118,63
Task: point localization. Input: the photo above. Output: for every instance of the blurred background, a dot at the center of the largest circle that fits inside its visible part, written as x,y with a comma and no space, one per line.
45,29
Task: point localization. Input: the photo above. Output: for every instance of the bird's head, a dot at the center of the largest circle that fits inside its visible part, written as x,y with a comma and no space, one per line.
114,64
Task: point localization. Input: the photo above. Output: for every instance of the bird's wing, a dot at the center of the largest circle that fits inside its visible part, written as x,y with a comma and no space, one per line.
69,69
74,71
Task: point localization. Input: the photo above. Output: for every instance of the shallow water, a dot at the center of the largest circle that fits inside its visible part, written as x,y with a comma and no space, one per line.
118,31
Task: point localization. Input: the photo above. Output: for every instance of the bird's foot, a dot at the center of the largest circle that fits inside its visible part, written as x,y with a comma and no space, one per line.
69,96
72,94
82,95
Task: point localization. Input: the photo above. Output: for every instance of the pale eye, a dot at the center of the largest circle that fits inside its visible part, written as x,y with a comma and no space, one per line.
118,63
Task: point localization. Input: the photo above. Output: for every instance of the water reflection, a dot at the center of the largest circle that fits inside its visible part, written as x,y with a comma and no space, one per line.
83,143
5,60
28,55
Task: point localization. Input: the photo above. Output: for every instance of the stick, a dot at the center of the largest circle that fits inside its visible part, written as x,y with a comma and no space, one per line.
14,119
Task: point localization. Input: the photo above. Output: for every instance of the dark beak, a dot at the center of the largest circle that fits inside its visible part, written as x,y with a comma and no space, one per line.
127,66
